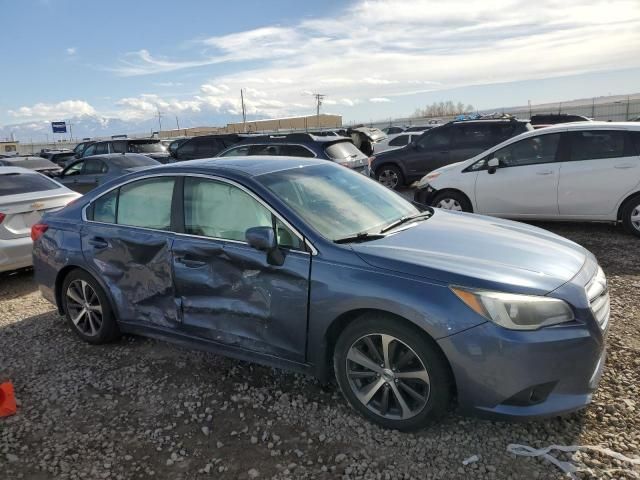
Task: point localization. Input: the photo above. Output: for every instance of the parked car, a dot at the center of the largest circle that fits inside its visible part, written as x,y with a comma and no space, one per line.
303,264
336,149
396,141
419,128
38,164
25,196
365,138
439,146
173,146
150,147
392,130
79,148
87,173
545,119
204,146
582,171
60,157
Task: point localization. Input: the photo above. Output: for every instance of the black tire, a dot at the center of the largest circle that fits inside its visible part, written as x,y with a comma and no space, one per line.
386,175
407,340
96,307
630,210
456,200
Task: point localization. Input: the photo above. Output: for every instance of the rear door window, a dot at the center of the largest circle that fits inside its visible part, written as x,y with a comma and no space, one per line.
269,150
472,136
296,151
207,147
17,183
237,152
635,141
438,138
399,141
90,150
102,148
94,166
146,203
595,144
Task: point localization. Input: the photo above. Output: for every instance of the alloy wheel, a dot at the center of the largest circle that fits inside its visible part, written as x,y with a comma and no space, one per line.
635,217
84,308
387,376
449,204
388,178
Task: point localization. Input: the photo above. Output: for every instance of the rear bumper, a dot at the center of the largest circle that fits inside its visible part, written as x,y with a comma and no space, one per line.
522,375
15,254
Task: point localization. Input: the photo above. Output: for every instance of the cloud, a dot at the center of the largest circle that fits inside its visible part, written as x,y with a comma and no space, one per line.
53,111
71,51
360,56
148,105
168,84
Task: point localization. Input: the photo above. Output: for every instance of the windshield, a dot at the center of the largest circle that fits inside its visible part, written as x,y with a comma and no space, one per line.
336,201
344,151
16,183
130,161
146,147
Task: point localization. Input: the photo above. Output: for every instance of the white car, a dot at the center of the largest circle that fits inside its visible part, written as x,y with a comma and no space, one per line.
397,140
24,196
580,171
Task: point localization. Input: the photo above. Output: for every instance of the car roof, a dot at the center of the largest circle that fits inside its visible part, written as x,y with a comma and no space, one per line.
292,138
251,166
9,170
110,156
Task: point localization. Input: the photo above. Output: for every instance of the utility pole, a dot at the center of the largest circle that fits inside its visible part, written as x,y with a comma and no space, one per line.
70,130
244,113
159,120
318,97
177,124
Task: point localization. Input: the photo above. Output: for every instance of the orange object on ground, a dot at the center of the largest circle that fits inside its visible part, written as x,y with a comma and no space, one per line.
7,400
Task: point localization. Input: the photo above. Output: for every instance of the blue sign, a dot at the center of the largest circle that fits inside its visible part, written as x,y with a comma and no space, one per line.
59,127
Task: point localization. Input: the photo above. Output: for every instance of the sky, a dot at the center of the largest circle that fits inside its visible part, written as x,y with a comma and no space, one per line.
373,59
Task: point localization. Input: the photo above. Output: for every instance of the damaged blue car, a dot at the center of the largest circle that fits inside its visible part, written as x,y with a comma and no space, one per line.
306,265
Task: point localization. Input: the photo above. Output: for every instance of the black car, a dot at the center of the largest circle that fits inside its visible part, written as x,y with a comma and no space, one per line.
173,146
393,130
449,143
555,118
336,149
59,157
150,147
204,146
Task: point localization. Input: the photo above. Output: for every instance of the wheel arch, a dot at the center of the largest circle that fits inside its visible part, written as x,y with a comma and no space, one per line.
344,319
392,163
455,190
624,202
64,272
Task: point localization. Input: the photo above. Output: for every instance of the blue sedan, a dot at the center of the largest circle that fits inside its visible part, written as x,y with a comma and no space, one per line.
307,265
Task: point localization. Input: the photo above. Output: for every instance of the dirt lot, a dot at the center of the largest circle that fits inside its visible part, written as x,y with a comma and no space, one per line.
142,408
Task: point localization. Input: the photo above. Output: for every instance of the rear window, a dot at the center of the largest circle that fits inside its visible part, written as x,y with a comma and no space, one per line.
146,147
17,183
133,161
343,151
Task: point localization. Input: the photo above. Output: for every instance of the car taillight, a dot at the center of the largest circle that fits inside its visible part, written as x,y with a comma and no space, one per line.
2,215
37,230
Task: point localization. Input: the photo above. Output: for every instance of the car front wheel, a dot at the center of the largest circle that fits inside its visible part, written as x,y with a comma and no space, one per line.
390,176
452,200
631,216
391,373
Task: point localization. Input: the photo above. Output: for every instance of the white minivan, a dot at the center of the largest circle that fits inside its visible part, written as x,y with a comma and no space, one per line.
585,171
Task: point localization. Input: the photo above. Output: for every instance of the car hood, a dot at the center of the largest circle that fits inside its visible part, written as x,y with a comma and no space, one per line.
478,251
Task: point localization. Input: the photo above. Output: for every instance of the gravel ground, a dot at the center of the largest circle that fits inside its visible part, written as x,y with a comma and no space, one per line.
142,408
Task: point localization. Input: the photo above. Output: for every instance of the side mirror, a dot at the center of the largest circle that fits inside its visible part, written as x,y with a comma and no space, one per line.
264,239
493,165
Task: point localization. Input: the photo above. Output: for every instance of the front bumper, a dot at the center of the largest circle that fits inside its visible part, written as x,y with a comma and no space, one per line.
425,195
15,253
506,373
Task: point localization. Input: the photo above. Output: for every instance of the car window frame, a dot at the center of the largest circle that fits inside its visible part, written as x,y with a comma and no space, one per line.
177,210
628,147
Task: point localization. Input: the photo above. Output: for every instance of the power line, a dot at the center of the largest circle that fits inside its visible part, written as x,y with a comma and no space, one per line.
318,97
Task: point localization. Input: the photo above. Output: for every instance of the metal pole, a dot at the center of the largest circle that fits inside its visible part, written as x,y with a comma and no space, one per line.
626,116
244,113
593,108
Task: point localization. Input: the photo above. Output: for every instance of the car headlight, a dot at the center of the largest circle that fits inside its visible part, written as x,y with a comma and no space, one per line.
516,312
429,177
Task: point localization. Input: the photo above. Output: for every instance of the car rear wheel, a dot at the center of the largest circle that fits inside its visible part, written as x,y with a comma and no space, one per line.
391,373
631,216
390,176
452,200
87,308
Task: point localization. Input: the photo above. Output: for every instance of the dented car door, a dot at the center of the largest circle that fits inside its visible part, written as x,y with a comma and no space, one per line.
227,291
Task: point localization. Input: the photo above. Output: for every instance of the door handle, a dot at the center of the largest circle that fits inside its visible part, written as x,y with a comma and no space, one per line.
544,172
623,166
190,263
98,243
